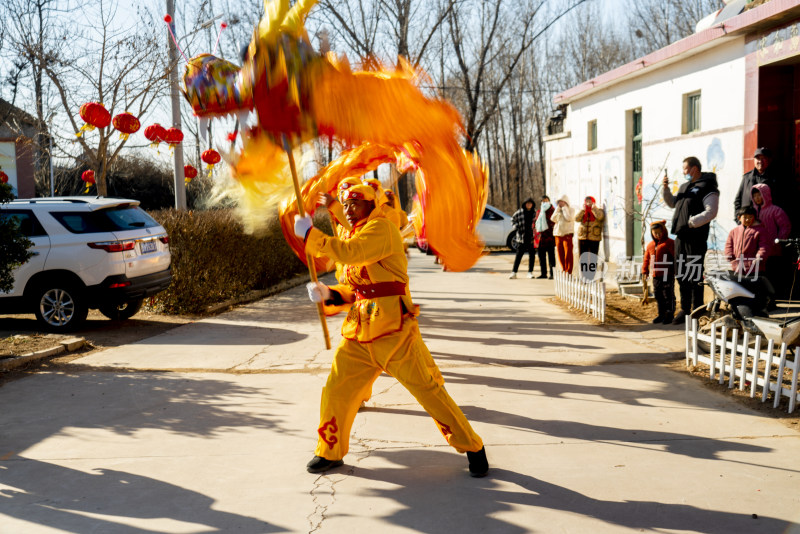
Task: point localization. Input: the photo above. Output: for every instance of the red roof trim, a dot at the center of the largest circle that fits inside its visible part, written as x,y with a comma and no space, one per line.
734,25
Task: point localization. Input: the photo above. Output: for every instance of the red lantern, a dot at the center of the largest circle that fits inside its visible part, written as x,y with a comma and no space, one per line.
155,134
173,137
3,178
189,172
211,157
126,124
88,177
95,115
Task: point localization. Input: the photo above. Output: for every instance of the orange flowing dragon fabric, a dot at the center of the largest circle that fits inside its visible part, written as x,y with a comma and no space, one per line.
299,95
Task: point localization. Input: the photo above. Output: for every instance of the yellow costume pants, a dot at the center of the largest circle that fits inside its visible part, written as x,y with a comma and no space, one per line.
404,356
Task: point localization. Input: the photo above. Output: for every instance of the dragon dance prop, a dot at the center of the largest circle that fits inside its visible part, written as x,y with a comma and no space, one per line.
298,95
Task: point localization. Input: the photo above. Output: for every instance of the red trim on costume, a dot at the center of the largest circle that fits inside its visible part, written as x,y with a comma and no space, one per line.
445,429
334,428
379,289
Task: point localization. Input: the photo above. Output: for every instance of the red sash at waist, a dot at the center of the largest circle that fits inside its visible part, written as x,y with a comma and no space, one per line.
379,289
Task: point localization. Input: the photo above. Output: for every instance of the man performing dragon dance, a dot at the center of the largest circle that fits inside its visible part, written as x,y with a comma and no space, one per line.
379,334
287,94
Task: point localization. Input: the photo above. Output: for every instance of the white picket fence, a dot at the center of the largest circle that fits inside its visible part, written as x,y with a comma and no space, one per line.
588,297
741,362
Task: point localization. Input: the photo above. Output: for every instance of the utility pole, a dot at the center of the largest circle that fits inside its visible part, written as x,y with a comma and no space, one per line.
50,157
180,185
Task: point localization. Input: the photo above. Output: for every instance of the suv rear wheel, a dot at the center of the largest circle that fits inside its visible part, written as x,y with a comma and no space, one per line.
121,311
60,307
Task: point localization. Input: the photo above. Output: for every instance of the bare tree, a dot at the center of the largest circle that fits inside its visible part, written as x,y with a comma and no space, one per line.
590,49
126,71
29,29
355,22
487,32
654,24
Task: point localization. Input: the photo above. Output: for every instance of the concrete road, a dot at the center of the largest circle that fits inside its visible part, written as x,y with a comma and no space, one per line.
208,427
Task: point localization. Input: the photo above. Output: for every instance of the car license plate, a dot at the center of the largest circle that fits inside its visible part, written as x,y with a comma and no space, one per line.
146,247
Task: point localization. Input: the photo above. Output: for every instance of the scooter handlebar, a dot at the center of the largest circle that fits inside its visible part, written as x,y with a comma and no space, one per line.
792,241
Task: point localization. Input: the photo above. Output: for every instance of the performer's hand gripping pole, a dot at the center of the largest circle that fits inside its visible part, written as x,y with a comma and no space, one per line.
312,269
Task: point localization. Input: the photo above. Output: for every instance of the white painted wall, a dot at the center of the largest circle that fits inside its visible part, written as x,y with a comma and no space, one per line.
719,73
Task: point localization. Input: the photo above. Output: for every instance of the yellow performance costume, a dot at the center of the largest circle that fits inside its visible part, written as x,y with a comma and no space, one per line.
379,334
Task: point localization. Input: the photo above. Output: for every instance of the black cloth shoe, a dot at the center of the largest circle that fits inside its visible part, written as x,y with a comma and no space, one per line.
680,318
551,276
478,464
318,464
659,319
542,276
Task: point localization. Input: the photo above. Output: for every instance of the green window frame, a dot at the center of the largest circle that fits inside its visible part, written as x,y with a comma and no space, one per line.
591,134
691,112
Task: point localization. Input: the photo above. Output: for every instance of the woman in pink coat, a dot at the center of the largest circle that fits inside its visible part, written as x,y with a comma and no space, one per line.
779,269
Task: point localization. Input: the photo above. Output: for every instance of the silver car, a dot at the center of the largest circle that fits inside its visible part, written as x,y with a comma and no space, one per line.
496,228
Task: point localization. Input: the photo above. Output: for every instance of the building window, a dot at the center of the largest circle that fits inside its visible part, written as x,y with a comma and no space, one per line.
691,112
591,133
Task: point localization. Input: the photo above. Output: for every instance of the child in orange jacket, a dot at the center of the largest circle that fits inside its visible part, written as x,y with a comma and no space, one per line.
660,255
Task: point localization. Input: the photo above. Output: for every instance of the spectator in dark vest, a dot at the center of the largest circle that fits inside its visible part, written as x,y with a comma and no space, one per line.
696,205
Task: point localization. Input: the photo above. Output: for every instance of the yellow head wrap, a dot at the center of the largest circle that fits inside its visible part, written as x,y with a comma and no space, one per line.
359,192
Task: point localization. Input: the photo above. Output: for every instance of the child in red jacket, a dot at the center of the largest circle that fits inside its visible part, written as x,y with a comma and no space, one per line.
660,255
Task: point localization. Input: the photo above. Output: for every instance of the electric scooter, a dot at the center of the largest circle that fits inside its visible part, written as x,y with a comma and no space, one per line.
735,306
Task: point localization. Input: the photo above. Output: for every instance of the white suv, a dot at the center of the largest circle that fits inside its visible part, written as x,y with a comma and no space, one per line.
88,252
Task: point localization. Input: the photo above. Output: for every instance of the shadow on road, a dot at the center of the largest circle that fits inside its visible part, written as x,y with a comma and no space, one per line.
436,497
125,404
59,493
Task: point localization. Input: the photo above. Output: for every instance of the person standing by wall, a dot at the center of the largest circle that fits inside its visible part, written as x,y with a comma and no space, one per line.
696,205
776,225
543,238
523,220
762,173
659,256
590,232
564,230
746,249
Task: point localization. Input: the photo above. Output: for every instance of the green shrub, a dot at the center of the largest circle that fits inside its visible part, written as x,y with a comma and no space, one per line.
13,245
213,260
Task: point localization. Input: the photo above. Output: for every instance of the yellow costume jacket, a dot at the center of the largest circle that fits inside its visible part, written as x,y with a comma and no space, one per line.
373,263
